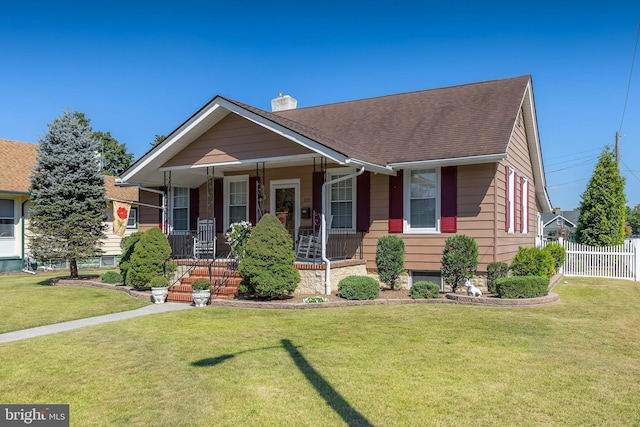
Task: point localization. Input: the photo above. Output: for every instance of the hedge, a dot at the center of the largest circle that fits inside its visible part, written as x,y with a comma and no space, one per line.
522,287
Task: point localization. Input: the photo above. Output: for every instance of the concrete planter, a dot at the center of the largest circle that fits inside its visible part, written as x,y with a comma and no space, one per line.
159,295
201,298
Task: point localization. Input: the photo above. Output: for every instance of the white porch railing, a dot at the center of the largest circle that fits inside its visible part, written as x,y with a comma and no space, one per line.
615,262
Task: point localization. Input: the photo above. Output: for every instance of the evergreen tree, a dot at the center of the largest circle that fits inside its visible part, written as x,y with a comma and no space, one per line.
603,206
68,195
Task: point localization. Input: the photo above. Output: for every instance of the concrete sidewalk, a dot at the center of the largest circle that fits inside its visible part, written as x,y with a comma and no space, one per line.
75,324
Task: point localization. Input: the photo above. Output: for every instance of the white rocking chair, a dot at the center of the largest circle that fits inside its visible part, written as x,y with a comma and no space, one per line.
204,242
309,247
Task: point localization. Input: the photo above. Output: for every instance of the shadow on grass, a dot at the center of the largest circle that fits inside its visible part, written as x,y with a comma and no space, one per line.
338,403
213,361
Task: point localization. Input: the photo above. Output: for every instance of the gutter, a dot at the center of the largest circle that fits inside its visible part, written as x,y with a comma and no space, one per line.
323,228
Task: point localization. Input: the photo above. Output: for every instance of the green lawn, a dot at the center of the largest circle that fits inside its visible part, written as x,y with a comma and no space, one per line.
571,364
27,301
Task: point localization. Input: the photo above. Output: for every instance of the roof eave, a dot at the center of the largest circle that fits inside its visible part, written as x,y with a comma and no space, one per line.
454,161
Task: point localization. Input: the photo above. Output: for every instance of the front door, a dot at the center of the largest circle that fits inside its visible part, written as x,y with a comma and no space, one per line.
285,203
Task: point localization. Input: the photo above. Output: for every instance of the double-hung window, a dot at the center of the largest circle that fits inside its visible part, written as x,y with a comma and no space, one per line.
342,195
132,221
422,200
7,218
180,209
237,199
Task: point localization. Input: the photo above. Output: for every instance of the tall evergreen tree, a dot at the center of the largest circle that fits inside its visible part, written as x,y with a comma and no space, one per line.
68,195
603,206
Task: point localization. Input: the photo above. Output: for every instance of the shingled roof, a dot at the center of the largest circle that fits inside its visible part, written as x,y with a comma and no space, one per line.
459,121
17,159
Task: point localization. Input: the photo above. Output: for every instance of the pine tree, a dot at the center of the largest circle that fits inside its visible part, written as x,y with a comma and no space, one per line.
68,195
603,206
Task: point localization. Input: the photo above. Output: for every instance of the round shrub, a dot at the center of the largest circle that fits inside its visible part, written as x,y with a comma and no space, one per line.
531,261
390,259
522,286
111,277
459,260
150,254
358,288
201,285
267,266
159,282
495,271
424,289
557,252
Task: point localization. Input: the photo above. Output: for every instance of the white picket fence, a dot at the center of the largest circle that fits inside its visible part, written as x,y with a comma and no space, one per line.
615,262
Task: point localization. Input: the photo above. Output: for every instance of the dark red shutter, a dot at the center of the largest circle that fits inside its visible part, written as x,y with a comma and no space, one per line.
396,203
449,199
506,198
253,199
363,207
218,204
317,181
194,208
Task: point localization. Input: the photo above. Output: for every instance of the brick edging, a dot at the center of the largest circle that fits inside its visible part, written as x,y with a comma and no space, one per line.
144,296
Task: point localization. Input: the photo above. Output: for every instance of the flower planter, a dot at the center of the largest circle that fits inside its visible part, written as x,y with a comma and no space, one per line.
201,298
159,295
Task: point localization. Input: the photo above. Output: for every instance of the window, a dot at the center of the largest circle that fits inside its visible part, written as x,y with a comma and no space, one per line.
341,205
180,210
422,204
510,202
7,218
524,222
133,218
237,199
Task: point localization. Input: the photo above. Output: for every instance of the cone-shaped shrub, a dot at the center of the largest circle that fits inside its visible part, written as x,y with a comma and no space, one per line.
390,259
267,267
150,254
459,260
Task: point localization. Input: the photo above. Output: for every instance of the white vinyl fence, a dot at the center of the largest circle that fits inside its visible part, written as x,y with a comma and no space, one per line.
615,262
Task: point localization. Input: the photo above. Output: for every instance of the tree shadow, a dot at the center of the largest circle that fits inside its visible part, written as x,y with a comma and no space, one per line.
338,403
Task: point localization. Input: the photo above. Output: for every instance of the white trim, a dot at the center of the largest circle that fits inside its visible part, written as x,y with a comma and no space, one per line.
458,161
331,173
226,193
511,202
406,191
524,204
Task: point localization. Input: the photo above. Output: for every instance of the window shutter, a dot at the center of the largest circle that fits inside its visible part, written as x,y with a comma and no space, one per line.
506,198
194,208
317,181
253,199
396,203
363,202
218,204
449,199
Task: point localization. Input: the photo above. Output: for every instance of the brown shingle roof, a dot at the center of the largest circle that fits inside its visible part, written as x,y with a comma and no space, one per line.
459,121
18,158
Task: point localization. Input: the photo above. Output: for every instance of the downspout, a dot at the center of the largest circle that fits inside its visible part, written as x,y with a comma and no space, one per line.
323,228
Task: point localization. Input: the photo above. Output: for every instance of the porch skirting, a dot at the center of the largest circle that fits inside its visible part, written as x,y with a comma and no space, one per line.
313,274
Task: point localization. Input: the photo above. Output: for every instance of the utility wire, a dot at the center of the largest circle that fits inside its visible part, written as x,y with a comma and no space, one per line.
624,109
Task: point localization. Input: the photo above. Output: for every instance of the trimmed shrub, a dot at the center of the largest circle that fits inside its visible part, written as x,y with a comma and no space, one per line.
128,244
150,254
267,266
111,277
459,260
424,289
557,252
390,259
522,287
201,285
159,282
531,261
358,288
496,270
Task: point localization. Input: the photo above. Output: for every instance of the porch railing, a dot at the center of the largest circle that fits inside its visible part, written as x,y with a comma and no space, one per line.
341,244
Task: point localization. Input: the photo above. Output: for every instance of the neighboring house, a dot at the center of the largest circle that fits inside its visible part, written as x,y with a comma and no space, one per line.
16,162
559,224
422,165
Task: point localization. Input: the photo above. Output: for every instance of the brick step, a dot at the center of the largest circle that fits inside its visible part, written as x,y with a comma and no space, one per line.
225,292
187,281
204,272
179,297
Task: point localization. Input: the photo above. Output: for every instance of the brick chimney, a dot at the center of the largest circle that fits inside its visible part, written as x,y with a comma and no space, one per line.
282,103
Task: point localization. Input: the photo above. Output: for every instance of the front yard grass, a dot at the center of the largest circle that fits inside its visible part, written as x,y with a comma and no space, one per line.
571,364
28,301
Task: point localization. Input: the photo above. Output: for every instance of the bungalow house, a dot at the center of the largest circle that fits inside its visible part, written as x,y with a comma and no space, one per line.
16,161
423,165
560,224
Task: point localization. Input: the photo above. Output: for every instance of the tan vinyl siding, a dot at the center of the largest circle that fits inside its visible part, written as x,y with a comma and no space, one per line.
149,217
235,138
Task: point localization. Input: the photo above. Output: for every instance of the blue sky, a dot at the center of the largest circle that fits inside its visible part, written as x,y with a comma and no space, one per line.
138,69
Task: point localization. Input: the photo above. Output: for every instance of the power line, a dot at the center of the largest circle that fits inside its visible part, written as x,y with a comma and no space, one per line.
624,109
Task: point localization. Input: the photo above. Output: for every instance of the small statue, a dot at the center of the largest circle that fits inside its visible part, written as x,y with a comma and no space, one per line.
472,290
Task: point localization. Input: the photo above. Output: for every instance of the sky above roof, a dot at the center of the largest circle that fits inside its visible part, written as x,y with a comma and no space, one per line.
139,69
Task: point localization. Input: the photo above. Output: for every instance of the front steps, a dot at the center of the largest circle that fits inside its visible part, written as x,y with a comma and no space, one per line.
224,281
